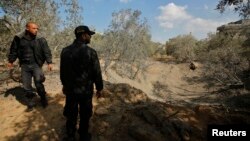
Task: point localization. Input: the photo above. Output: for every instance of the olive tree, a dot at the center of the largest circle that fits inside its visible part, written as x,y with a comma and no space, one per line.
182,47
46,13
125,45
222,60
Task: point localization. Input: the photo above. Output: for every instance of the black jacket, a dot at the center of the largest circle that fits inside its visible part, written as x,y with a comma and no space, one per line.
41,50
80,68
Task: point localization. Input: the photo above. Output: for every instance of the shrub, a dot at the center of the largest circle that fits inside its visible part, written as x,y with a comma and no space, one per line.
223,60
182,47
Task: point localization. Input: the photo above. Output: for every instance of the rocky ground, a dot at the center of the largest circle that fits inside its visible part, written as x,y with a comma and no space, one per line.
171,103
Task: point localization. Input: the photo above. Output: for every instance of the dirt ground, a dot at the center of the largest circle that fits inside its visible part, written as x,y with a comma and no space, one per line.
166,97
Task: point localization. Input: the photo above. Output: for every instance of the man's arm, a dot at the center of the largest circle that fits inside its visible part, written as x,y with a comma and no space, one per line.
62,75
97,73
47,53
12,56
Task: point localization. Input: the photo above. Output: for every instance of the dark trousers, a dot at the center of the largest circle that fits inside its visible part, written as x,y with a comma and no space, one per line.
77,103
33,70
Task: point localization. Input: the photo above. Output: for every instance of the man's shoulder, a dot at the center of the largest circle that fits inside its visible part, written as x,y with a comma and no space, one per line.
41,38
83,48
67,48
20,34
90,49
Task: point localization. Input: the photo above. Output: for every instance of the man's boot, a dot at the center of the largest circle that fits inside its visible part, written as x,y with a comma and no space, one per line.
70,132
43,97
85,137
30,102
44,101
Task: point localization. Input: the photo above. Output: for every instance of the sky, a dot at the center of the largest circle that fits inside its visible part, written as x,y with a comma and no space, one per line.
166,18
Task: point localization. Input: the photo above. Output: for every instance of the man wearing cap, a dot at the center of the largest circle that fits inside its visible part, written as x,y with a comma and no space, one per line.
79,71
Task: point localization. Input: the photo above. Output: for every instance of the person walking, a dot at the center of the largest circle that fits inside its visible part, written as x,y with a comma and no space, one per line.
79,71
32,51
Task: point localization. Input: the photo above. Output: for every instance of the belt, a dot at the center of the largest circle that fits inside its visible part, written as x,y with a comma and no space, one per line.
28,62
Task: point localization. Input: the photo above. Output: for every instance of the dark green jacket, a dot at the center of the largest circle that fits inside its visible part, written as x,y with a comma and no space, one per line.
80,68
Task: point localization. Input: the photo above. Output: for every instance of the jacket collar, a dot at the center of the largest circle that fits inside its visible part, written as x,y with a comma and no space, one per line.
79,42
23,35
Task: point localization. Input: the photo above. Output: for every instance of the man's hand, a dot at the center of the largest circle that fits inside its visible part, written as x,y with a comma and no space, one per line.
10,65
98,94
50,67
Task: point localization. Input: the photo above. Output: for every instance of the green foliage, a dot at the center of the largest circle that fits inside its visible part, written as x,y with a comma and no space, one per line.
182,47
223,60
18,12
97,42
126,44
46,13
157,49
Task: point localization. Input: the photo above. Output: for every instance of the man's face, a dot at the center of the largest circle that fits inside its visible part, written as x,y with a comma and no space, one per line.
86,37
32,29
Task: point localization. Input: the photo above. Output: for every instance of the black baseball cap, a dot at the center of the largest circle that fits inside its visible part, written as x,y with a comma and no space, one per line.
82,29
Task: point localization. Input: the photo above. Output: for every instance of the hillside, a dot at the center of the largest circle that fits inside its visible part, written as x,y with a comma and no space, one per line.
166,102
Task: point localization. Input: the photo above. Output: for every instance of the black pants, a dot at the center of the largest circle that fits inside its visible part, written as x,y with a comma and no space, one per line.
77,103
32,70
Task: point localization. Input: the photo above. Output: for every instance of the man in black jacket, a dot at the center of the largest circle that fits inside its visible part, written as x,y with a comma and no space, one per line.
32,51
79,71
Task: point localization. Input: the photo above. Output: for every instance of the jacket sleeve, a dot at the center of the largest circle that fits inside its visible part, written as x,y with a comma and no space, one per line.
97,74
13,53
62,68
47,51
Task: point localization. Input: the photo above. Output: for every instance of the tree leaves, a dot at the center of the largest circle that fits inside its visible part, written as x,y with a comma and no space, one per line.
240,6
46,13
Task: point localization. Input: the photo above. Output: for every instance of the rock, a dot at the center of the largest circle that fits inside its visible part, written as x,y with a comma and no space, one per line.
101,111
192,66
148,116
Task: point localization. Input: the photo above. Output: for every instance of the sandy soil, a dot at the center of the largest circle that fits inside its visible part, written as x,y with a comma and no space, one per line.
168,83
